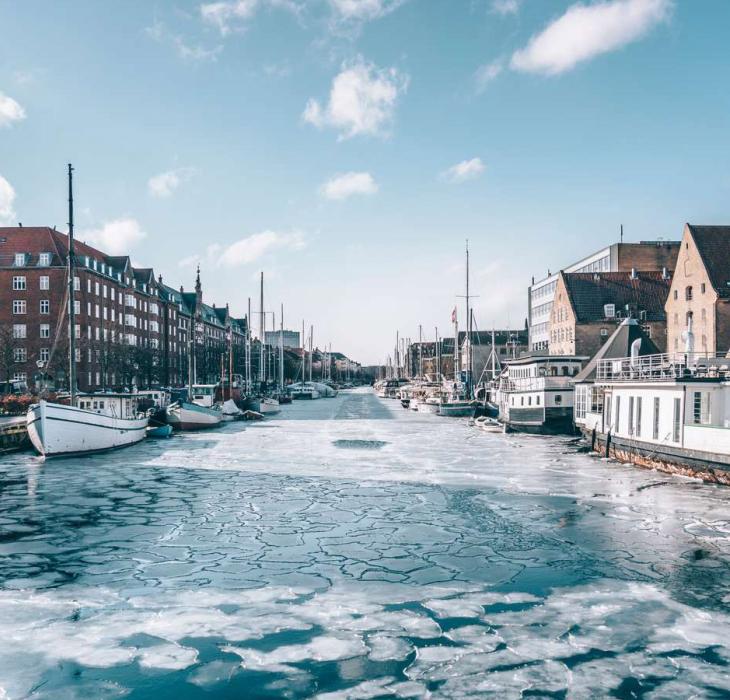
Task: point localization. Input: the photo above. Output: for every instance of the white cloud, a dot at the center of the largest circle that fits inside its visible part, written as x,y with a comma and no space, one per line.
363,10
487,73
226,16
246,250
362,100
115,237
506,7
188,52
466,170
10,110
586,31
7,198
164,184
347,184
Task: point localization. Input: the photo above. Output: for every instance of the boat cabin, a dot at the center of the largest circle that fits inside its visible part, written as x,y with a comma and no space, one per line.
115,405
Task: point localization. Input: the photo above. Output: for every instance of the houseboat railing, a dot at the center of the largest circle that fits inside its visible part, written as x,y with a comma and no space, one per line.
663,367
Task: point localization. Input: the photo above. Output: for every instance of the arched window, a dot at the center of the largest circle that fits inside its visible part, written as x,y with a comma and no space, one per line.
688,293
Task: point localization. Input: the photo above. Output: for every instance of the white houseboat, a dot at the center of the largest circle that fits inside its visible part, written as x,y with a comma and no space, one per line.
670,412
535,393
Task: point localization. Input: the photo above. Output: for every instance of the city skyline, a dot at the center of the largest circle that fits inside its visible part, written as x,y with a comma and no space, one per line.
350,148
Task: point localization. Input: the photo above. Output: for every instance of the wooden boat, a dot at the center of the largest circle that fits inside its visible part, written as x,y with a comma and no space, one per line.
159,431
90,422
183,415
96,424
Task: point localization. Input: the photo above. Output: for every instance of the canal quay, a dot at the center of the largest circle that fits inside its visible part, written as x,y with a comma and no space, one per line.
348,548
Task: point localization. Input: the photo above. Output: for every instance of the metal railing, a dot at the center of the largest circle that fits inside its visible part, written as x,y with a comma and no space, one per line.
535,383
664,367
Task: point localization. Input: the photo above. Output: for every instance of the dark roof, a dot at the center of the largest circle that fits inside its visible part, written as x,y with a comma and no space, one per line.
501,337
617,346
713,242
589,292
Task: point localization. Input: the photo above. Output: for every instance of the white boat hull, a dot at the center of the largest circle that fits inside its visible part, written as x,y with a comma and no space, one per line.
426,407
55,430
269,406
190,416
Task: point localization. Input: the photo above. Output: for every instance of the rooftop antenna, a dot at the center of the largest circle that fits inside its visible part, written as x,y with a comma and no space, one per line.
622,233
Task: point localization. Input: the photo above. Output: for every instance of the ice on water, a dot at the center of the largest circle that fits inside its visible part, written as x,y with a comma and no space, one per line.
267,560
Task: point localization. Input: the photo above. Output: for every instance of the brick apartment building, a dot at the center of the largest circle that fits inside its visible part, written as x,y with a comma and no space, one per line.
131,329
699,299
588,307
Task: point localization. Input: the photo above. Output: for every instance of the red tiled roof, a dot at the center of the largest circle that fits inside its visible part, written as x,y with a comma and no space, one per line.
589,292
713,243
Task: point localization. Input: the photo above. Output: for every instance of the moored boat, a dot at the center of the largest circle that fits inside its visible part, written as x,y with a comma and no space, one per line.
183,415
159,431
96,424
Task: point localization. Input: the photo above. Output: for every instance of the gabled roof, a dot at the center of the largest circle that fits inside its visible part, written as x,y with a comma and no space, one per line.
713,243
589,292
501,337
618,345
144,274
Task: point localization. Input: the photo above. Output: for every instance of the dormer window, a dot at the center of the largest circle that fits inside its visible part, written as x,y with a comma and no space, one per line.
44,259
19,260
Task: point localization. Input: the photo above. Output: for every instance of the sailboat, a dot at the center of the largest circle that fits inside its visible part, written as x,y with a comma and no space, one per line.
90,422
185,413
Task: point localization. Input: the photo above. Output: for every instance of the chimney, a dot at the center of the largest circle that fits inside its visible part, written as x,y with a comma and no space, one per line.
20,224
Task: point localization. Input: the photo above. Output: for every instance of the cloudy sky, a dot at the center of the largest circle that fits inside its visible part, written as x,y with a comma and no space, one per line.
348,148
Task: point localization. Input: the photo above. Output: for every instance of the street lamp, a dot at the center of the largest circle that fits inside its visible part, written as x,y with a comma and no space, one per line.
41,364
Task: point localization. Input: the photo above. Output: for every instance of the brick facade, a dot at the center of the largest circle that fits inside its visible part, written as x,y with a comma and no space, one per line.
130,328
699,292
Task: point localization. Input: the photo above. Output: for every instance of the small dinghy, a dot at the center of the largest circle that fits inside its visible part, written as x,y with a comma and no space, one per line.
159,431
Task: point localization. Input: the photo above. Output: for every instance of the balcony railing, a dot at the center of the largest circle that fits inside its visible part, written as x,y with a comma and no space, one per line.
535,383
664,367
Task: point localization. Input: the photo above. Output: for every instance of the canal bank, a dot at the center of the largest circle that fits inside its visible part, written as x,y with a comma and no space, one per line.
349,544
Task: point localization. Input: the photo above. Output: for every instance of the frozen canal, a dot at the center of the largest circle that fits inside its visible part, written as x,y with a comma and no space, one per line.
351,549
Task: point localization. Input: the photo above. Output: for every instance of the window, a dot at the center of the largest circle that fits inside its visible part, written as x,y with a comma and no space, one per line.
44,355
77,306
77,284
703,288
45,306
638,416
19,259
701,405
20,377
676,295
19,330
677,422
19,355
558,399
688,293
45,330
77,354
655,427
604,332
96,288
596,399
44,282
44,259
18,284
616,421
18,306
581,401
631,415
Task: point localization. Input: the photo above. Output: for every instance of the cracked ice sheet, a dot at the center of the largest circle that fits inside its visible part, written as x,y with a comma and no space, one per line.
580,640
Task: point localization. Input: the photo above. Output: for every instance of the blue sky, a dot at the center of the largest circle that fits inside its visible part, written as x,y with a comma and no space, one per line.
349,147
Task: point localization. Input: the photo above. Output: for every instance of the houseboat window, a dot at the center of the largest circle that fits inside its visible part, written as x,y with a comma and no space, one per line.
631,415
701,407
677,419
558,399
529,400
596,400
537,400
616,421
522,400
607,413
580,402
638,416
655,429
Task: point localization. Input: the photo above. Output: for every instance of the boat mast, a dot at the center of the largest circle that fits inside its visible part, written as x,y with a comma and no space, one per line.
468,326
438,356
248,349
281,350
494,357
304,353
311,351
71,292
230,360
262,362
